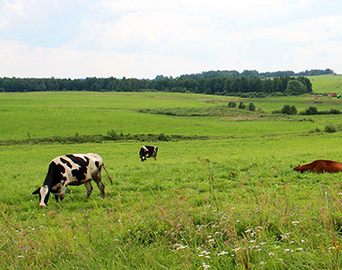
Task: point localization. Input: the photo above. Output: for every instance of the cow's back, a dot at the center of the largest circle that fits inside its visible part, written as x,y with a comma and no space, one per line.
321,166
78,168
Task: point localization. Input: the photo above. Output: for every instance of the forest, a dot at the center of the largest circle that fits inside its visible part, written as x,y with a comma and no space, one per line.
243,84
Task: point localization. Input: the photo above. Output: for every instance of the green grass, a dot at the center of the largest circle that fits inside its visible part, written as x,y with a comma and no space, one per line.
168,213
232,201
327,84
65,114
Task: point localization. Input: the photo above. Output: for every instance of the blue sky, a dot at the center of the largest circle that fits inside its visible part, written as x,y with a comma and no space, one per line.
142,39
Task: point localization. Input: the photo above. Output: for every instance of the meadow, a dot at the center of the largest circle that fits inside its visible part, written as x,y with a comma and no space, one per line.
230,201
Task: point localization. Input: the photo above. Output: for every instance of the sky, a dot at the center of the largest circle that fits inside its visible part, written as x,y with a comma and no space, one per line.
145,38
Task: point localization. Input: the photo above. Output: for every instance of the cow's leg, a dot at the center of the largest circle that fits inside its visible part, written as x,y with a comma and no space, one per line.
62,192
89,188
97,178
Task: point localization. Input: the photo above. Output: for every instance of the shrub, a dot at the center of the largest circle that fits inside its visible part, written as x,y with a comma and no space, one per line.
310,111
290,110
334,111
113,135
251,107
242,106
232,104
315,130
330,129
163,137
277,94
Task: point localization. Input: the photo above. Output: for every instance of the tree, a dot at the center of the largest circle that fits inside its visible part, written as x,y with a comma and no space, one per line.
232,104
242,106
287,109
295,87
251,107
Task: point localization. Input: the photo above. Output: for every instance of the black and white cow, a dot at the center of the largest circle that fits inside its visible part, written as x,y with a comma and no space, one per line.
147,152
73,170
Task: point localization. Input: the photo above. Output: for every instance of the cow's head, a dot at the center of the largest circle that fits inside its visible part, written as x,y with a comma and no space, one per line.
44,194
296,168
143,153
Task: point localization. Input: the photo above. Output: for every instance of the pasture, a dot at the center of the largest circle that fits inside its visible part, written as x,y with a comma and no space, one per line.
231,201
327,83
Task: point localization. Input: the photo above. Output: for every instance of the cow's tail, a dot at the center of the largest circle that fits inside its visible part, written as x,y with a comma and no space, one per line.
111,181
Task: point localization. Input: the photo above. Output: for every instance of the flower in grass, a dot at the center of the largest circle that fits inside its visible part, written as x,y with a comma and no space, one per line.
205,266
222,253
81,211
179,246
271,254
205,254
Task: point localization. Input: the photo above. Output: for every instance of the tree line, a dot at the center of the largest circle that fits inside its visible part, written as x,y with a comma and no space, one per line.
252,74
241,86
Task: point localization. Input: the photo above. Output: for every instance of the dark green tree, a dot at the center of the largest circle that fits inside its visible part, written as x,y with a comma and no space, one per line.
251,107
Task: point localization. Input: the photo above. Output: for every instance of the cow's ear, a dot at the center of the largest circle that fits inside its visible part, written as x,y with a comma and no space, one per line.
36,191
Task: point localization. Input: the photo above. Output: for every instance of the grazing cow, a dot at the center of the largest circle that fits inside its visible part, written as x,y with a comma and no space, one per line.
73,170
147,152
320,166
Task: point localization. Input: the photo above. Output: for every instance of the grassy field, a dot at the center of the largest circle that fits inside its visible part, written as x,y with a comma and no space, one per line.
327,84
232,201
65,114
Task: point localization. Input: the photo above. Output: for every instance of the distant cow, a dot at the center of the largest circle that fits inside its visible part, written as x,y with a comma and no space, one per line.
73,170
320,166
147,152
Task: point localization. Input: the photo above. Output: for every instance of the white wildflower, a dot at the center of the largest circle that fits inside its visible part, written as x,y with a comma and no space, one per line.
222,253
205,266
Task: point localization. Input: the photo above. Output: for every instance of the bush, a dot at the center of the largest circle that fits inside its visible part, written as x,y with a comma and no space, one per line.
330,129
251,107
232,104
277,94
287,109
310,111
315,130
334,111
242,106
113,135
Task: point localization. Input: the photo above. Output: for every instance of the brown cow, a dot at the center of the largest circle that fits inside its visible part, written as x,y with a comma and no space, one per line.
320,166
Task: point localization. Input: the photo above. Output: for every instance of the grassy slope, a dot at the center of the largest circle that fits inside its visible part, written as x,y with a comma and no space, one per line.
64,114
327,83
